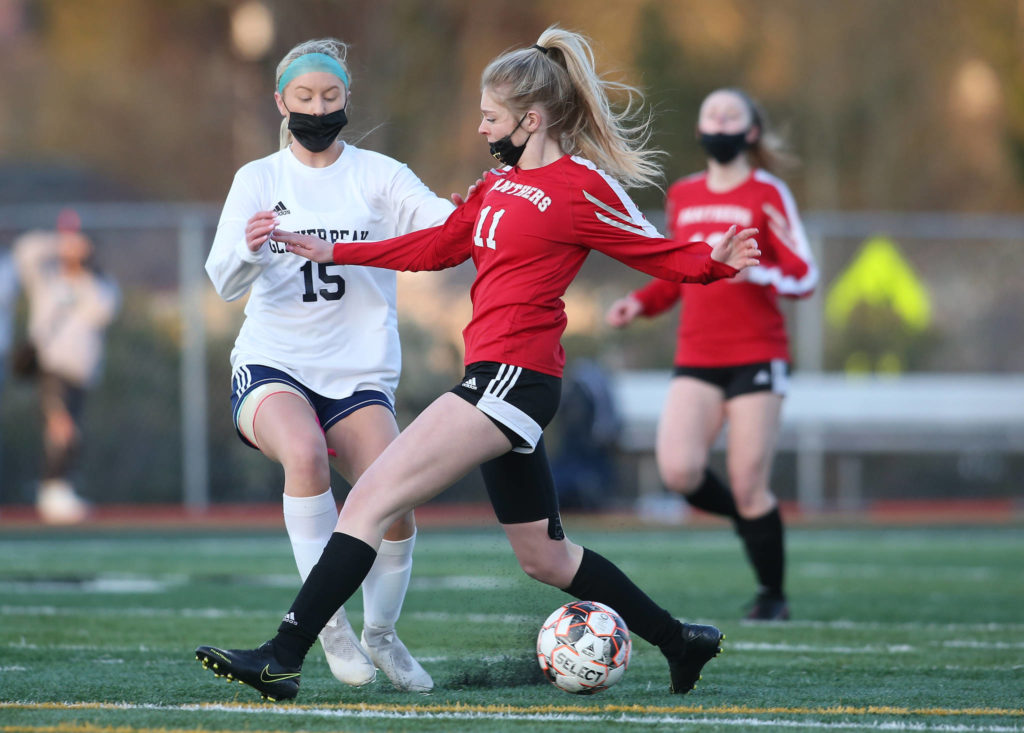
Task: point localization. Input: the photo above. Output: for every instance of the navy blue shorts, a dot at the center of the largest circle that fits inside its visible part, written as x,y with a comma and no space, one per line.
248,377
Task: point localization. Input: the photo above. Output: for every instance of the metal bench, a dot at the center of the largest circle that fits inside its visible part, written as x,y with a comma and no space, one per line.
826,413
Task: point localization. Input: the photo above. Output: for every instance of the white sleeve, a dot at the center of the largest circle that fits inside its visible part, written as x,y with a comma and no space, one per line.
415,206
232,267
33,253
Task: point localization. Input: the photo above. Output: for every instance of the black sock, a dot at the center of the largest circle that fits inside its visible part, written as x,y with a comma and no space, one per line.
763,540
714,497
336,576
600,580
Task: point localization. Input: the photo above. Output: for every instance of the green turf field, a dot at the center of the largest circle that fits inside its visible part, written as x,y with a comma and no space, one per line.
894,629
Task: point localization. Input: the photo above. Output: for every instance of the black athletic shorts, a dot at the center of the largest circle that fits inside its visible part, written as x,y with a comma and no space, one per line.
521,402
761,376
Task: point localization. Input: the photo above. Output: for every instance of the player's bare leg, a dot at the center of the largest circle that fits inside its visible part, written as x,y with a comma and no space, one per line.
287,431
357,441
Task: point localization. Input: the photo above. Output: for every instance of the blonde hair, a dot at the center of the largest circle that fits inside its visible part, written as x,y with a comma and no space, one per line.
560,77
331,47
769,151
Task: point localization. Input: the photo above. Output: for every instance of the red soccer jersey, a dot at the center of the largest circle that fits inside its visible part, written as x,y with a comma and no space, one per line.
528,232
735,321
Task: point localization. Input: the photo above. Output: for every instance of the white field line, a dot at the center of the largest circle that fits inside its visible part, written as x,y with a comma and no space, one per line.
140,584
738,646
656,717
843,571
494,618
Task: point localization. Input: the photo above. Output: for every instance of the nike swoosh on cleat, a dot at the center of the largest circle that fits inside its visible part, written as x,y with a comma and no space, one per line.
267,676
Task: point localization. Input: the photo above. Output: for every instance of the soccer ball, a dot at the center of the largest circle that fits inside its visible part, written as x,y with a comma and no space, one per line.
583,647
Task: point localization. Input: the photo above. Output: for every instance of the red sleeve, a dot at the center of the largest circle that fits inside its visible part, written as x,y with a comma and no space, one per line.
436,248
787,263
660,295
607,220
657,296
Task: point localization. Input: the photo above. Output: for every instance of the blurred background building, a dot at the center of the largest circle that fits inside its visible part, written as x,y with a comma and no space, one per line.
907,117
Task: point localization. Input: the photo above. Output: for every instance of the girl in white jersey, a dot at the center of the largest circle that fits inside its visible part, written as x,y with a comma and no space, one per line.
528,229
317,360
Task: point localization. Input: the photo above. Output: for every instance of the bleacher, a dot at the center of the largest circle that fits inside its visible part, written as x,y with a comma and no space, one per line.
850,417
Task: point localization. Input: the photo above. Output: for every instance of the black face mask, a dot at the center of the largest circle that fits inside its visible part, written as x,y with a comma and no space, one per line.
724,148
504,151
316,132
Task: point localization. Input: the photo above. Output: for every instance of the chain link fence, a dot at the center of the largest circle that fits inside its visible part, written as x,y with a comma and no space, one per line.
158,428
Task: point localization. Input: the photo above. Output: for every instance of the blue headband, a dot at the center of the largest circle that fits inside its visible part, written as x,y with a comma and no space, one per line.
311,62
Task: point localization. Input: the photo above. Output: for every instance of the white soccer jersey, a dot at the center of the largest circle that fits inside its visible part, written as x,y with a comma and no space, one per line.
332,327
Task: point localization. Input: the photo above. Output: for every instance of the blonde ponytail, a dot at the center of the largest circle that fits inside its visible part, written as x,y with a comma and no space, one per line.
329,46
558,74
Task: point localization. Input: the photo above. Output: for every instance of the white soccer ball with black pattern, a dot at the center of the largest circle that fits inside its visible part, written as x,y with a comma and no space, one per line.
584,647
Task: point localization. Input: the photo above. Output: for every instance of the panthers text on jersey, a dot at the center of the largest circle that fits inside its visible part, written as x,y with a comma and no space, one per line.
736,321
332,327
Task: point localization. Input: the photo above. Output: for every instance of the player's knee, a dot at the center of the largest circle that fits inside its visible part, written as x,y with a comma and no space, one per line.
682,475
750,492
541,566
306,463
542,572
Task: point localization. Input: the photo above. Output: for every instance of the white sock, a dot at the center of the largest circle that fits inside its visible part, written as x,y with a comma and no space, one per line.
310,521
385,586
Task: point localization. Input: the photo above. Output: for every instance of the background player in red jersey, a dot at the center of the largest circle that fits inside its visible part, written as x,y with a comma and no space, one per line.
732,358
528,228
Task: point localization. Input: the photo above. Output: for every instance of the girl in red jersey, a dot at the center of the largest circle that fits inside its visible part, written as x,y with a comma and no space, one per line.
732,358
528,228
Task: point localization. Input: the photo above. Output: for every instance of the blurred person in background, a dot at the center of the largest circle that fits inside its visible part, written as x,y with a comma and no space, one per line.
732,357
317,361
70,306
8,302
584,467
528,228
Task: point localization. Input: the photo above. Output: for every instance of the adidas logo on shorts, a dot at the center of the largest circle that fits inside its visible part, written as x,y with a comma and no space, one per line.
762,377
281,209
289,618
470,383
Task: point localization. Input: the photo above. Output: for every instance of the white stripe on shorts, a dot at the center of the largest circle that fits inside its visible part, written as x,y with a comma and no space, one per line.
242,378
513,418
780,380
504,381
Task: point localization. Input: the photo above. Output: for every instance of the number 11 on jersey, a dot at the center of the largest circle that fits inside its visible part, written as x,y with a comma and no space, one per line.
481,220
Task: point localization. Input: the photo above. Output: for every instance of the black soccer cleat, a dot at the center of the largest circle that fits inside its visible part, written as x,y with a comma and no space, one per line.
768,607
701,644
257,668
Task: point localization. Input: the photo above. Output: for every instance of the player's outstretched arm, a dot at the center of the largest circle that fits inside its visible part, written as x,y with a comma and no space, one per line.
306,245
737,249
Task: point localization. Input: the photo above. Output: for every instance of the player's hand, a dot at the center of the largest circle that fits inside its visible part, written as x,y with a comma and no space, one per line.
737,249
623,311
306,245
459,200
258,229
